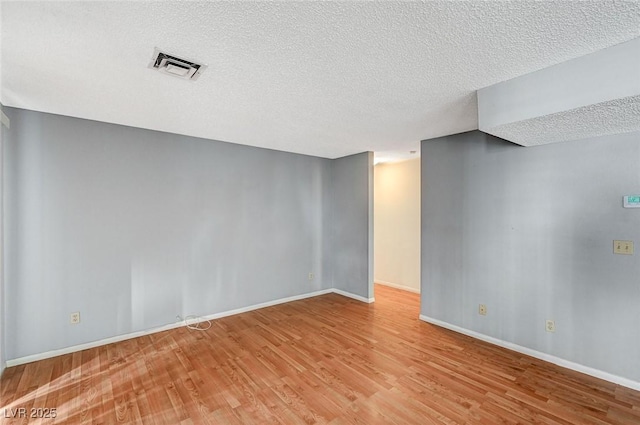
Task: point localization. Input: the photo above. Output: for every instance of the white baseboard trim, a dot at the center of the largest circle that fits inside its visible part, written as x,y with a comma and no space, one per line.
105,341
267,304
398,286
92,344
354,296
625,382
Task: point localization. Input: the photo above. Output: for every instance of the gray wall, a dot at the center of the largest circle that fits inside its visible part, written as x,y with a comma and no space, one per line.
2,344
529,232
131,227
352,219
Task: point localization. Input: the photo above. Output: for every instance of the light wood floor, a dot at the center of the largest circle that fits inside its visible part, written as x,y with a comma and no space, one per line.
327,359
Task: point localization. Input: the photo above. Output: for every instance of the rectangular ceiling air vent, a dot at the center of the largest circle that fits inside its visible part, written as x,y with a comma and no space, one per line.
178,67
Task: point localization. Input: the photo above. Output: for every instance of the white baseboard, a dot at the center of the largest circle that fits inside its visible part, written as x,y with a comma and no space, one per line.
398,286
92,344
266,304
625,382
354,296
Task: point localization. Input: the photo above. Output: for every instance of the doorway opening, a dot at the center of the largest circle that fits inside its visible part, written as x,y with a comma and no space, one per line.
396,206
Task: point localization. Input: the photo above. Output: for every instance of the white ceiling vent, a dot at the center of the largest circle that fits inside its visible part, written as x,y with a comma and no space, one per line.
178,67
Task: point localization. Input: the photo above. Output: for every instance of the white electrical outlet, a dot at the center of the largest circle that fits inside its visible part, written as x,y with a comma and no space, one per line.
310,275
550,326
482,310
75,318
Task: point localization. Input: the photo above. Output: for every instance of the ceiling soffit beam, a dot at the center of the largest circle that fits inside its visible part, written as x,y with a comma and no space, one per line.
593,95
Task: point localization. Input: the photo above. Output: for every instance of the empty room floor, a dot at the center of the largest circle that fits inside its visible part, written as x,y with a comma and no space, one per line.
327,359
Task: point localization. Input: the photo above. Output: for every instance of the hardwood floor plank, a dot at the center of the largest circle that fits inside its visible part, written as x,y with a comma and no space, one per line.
323,360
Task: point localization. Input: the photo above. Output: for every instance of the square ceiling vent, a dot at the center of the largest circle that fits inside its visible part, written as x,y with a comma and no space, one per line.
175,66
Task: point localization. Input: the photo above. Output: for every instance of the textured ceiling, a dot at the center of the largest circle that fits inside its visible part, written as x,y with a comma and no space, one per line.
323,78
611,117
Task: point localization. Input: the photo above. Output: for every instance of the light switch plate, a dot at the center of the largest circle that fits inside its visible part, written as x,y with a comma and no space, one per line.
623,247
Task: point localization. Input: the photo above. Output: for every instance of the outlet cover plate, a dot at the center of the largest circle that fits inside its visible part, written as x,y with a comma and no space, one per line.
550,325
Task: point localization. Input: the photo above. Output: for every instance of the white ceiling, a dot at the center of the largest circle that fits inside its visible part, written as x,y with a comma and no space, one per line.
320,78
